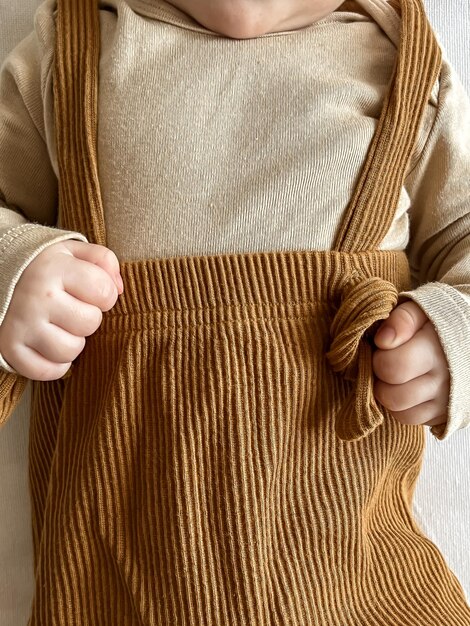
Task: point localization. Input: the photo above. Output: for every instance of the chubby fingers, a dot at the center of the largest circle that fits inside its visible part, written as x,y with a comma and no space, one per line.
419,400
401,325
411,368
417,356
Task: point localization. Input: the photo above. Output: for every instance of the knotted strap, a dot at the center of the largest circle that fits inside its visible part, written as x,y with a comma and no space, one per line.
370,214
363,303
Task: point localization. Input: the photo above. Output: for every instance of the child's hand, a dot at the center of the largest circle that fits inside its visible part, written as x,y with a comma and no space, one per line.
57,302
414,380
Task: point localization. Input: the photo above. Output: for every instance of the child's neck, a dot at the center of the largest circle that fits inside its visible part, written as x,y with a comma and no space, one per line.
245,19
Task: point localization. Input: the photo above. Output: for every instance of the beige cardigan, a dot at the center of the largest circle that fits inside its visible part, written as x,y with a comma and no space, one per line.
209,145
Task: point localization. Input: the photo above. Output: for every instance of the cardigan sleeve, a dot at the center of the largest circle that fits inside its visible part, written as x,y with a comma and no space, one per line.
28,181
439,243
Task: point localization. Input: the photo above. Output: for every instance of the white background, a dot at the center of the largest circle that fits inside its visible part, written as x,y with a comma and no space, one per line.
442,500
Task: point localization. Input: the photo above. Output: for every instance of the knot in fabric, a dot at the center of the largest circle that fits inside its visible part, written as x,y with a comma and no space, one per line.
364,301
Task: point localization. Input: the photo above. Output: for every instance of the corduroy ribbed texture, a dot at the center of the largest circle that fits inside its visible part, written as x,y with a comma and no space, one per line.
216,455
199,479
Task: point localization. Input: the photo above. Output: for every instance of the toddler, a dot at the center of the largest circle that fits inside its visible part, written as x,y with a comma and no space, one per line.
235,265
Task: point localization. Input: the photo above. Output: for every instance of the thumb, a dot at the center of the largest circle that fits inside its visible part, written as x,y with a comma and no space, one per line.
401,325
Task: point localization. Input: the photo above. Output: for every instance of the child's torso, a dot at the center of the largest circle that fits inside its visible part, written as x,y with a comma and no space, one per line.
194,474
208,145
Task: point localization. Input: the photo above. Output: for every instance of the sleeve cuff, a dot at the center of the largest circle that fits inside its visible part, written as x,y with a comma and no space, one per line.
449,312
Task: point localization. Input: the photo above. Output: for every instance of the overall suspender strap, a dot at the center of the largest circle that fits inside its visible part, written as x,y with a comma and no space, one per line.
76,105
365,300
371,211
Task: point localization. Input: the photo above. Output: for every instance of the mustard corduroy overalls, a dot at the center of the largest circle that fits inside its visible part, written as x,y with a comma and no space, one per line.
215,455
